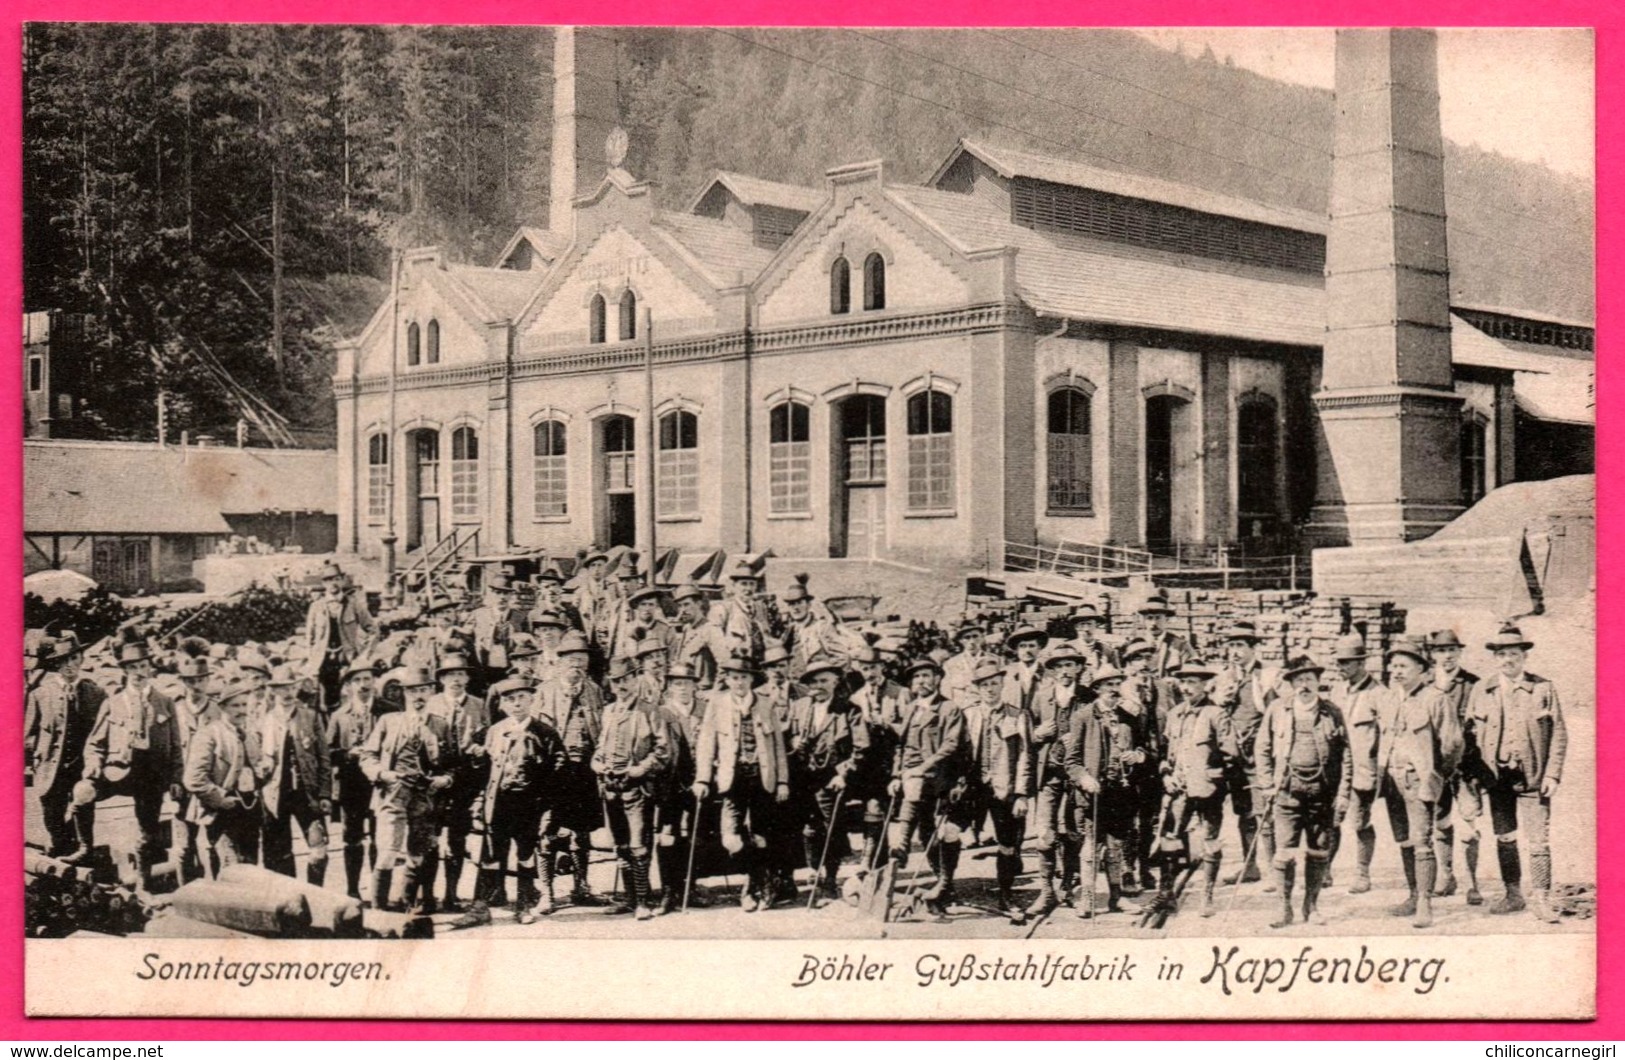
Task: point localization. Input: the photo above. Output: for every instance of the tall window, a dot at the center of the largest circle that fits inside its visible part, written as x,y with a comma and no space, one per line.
863,426
678,491
1256,458
789,458
413,353
931,451
552,479
36,373
595,319
874,282
433,352
1071,456
1474,459
840,287
629,316
620,452
378,476
465,473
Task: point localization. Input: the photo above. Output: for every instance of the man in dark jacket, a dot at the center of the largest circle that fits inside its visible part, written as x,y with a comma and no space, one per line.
60,713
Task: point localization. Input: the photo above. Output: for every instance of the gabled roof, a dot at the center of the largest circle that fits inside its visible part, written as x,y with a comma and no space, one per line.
504,291
144,488
1069,275
1010,163
547,243
754,191
725,253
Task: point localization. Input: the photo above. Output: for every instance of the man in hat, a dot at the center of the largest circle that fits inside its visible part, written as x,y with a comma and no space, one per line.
347,730
1168,649
524,753
675,810
879,702
550,599
295,785
338,627
1088,624
827,743
220,780
630,761
135,749
1200,749
652,659
466,719
646,621
194,708
1419,746
959,670
783,846
61,711
436,634
495,622
1361,704
406,758
1463,795
1023,674
574,707
807,634
1146,699
741,755
746,626
931,773
547,631
1054,822
696,641
1522,740
1105,760
1245,690
1002,775
1304,762
596,597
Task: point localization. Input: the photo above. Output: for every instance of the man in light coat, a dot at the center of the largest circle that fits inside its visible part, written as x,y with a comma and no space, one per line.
338,628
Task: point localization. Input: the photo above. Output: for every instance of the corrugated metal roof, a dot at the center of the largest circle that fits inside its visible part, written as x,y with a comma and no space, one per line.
754,191
1068,275
1011,162
144,488
505,291
728,254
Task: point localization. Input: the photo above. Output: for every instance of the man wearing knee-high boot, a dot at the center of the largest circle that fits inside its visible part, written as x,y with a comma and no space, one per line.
294,785
1055,815
1105,758
1359,700
1518,722
1002,750
933,759
1246,689
1199,748
466,719
825,747
1420,744
347,730
404,758
633,753
1463,797
1304,764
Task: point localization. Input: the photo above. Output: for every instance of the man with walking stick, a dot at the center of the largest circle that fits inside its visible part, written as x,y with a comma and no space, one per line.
932,757
828,743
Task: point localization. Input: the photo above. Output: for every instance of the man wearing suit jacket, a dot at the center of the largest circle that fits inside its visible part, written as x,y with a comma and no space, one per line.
572,704
295,787
1463,797
931,773
338,628
879,702
219,777
466,718
61,711
135,750
827,743
741,756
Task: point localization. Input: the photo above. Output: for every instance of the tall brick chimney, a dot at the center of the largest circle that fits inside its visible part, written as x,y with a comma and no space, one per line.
1389,462
586,106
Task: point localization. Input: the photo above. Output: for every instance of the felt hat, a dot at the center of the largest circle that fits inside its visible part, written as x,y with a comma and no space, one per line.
453,663
361,664
687,591
1242,630
1087,613
509,685
681,672
1349,648
649,592
572,643
134,652
1197,668
737,662
1412,646
332,571
795,592
648,646
1156,604
415,676
620,668
1510,636
1301,664
923,663
970,625
192,666
986,670
1022,633
775,654
822,664
548,620
1104,674
1444,638
522,646
284,677
1061,652
1136,647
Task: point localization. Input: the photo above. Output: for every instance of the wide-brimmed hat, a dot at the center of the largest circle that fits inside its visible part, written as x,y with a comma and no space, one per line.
331,571
794,593
361,664
737,662
234,687
922,663
1061,652
284,677
548,620
774,654
508,685
687,591
453,663
1510,636
1301,664
1197,668
1106,673
414,676
986,670
1444,638
63,647
1241,630
648,646
620,668
1412,646
522,646
968,626
1022,633
594,556
133,652
741,570
1156,604
572,643
1137,647
650,592
1087,613
1349,648
550,573
192,666
254,662
822,664
682,672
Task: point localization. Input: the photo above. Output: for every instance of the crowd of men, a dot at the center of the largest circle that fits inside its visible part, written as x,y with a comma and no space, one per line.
515,726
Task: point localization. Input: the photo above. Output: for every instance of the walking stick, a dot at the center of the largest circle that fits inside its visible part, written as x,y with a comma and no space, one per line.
693,844
1246,856
823,858
936,831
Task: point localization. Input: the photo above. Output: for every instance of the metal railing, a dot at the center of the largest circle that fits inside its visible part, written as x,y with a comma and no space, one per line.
1218,566
428,571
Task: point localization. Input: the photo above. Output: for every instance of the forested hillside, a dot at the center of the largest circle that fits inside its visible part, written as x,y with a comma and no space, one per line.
222,200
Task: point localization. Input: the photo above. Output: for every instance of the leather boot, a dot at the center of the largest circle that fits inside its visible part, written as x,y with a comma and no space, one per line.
581,893
1426,875
1046,901
354,858
381,898
624,900
640,887
1408,906
1210,877
411,900
428,876
1071,861
1365,851
1506,851
1540,896
524,911
1085,902
480,912
1116,902
669,867
1314,873
544,869
454,878
1469,858
1444,856
1283,881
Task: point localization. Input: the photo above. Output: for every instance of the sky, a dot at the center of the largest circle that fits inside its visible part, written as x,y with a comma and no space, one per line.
1526,93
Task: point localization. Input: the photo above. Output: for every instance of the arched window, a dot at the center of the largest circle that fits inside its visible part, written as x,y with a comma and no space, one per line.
413,354
1256,448
677,492
840,287
433,352
552,478
595,319
465,473
874,282
931,451
1070,450
1474,459
378,476
629,316
789,458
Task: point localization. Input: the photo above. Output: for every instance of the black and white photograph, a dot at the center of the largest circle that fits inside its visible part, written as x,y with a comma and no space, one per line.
923,507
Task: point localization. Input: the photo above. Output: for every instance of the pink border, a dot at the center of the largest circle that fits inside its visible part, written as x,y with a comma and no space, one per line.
1611,665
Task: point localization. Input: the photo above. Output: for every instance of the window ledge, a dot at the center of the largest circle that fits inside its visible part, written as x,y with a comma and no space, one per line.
931,513
550,518
467,520
679,518
1069,513
775,517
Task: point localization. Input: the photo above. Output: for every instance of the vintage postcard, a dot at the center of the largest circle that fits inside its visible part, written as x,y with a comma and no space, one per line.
781,524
